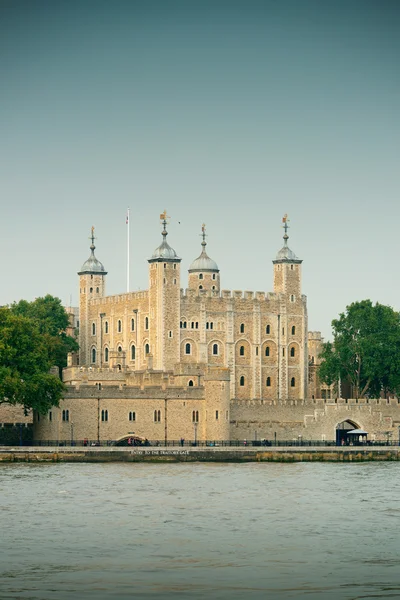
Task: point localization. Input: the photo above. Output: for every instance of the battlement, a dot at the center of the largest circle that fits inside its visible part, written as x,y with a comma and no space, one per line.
232,294
121,298
315,335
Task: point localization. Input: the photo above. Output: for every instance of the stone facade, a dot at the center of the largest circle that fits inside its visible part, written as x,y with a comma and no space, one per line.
203,362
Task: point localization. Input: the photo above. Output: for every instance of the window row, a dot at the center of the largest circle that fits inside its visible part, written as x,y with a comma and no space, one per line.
119,326
195,325
106,356
215,349
201,276
268,381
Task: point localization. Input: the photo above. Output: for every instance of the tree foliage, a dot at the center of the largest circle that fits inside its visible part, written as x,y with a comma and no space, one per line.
25,364
52,321
365,351
32,341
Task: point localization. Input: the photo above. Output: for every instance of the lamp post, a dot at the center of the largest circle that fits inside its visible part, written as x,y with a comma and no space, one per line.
165,421
72,433
195,424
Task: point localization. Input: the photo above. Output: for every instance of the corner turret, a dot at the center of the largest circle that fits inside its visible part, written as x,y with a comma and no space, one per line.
91,285
204,272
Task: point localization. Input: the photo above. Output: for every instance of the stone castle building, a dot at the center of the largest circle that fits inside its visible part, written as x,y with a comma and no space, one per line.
201,363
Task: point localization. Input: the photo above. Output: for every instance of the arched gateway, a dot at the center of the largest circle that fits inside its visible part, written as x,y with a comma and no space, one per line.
342,430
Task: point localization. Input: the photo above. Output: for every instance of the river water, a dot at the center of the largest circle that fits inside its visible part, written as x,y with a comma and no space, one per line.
102,531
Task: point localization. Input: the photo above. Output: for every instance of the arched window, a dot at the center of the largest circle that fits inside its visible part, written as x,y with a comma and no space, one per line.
105,354
132,416
292,298
200,275
213,287
146,323
267,351
293,329
242,381
133,352
184,324
197,324
292,382
215,349
292,351
93,355
91,290
200,287
119,326
97,290
190,384
242,328
93,328
268,382
192,325
214,276
132,324
147,349
241,351
104,415
268,329
188,349
106,327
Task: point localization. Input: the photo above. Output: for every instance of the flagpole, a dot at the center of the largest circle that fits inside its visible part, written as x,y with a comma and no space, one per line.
127,250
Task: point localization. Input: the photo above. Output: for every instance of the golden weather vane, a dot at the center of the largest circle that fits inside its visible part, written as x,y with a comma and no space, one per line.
285,222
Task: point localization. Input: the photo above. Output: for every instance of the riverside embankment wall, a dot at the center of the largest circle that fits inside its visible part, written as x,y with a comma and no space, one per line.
156,455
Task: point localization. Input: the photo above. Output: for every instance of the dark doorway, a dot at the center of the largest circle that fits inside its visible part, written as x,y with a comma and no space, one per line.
341,432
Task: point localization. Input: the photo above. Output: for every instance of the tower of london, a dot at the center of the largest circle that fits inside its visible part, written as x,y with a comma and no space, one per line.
201,362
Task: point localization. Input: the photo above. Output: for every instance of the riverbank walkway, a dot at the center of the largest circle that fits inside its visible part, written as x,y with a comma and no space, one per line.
198,454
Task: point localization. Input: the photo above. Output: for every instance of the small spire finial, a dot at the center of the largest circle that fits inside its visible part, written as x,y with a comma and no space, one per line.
285,226
164,222
203,235
92,238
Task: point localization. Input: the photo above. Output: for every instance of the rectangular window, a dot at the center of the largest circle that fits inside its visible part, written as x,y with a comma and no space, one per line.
216,415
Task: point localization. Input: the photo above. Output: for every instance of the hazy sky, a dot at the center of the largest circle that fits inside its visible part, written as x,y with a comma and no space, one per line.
226,112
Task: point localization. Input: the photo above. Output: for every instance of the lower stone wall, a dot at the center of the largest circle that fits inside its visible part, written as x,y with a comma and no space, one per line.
10,414
157,455
313,420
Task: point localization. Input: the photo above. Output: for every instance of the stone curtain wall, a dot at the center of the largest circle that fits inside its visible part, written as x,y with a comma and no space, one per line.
312,420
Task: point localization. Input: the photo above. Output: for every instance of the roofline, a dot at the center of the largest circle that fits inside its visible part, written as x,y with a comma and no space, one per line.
203,270
296,261
92,273
160,259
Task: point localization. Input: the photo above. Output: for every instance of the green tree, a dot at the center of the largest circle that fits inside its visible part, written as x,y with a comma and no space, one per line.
365,351
52,322
25,364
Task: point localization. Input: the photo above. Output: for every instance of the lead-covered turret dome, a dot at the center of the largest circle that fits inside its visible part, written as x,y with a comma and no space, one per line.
203,262
164,252
285,254
92,265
